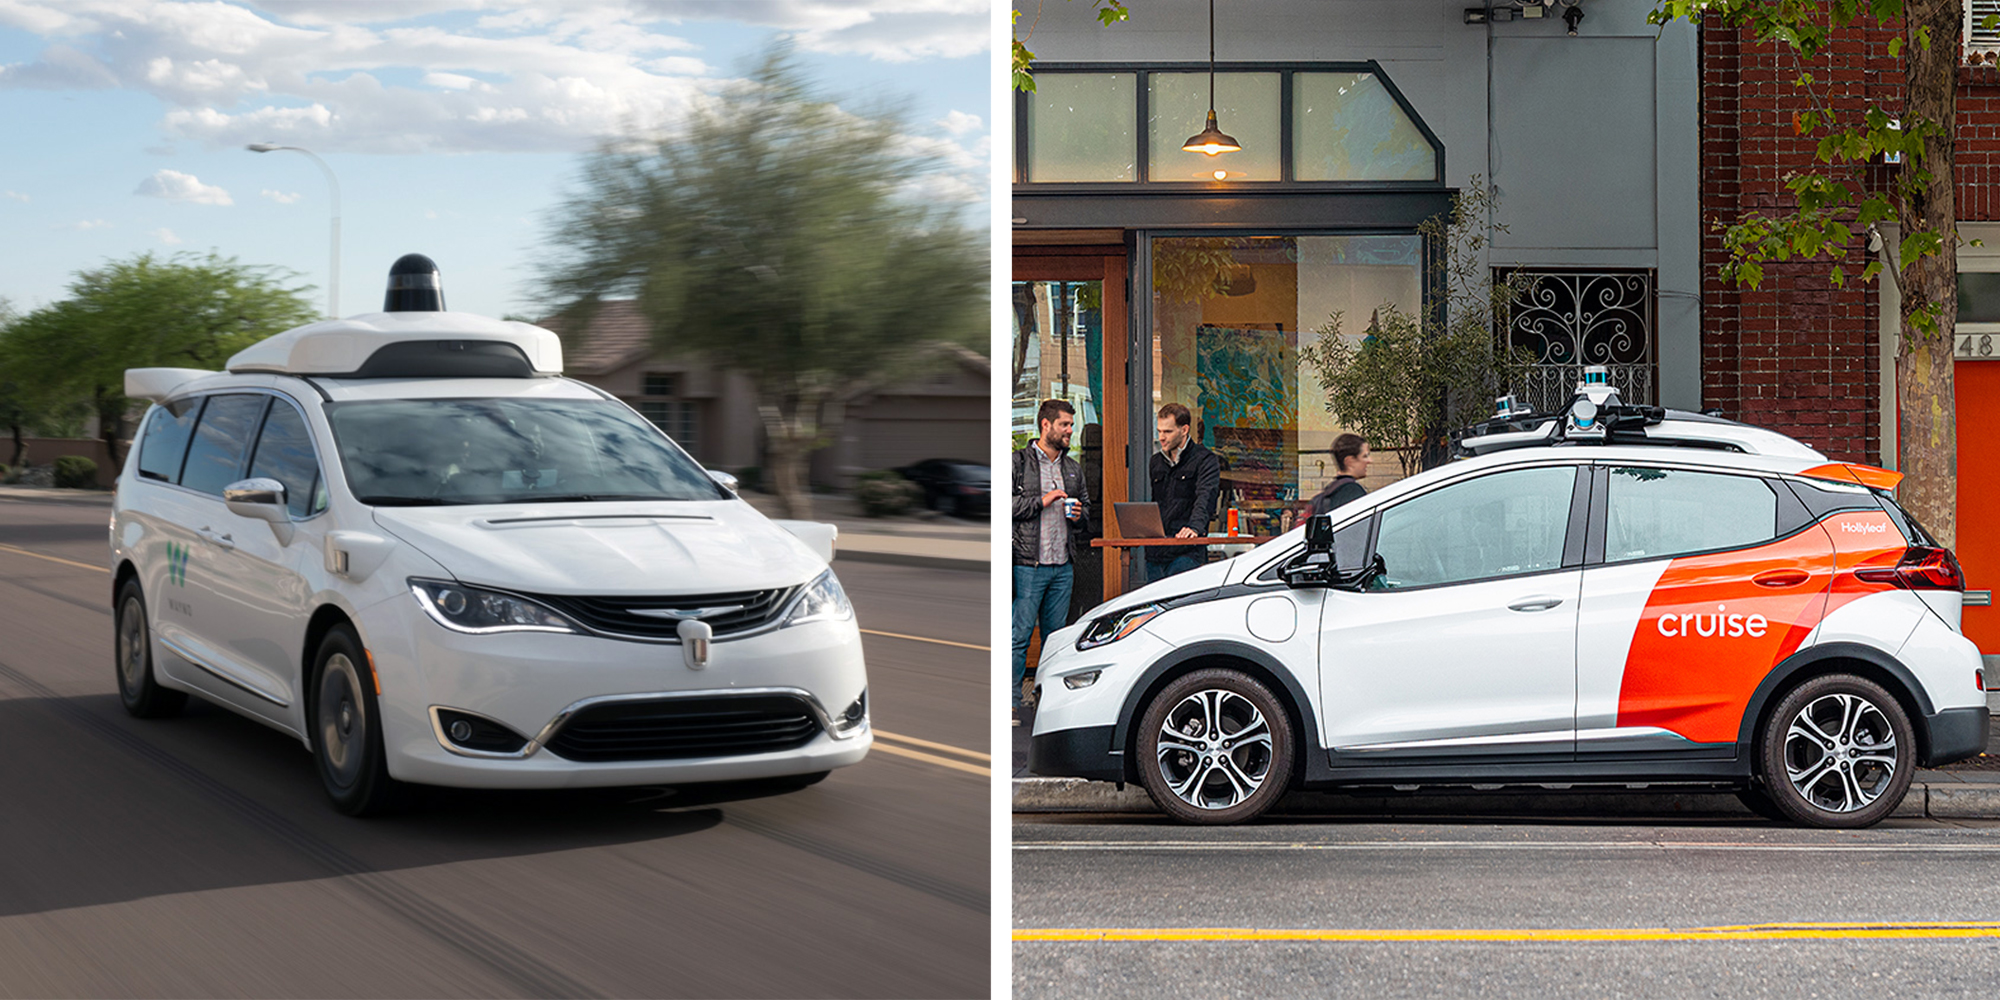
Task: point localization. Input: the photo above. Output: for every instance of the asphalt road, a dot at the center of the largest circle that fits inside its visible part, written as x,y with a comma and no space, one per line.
1478,908
197,856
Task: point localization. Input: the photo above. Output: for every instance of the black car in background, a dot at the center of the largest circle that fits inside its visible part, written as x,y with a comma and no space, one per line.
958,488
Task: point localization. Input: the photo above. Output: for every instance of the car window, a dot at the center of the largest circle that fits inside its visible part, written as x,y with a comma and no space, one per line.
285,453
508,450
215,457
1655,513
166,439
1503,524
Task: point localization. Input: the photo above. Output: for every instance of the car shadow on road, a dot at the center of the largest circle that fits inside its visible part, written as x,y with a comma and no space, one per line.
98,807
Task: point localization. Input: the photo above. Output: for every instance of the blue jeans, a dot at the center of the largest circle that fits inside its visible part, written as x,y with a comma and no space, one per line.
1156,571
1041,596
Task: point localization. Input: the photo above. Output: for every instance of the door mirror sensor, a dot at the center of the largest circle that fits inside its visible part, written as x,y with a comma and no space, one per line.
1319,534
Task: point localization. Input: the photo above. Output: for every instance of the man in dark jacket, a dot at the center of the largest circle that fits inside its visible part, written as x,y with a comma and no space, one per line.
1051,519
1187,478
1350,457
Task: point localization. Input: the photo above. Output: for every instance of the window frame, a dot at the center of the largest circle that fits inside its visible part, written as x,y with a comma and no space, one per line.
1286,182
320,482
1600,511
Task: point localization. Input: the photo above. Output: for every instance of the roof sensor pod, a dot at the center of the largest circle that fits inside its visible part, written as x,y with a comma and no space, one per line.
414,286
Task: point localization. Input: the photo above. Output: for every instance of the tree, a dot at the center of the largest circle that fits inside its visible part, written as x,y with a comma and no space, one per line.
775,234
1834,202
184,311
1411,375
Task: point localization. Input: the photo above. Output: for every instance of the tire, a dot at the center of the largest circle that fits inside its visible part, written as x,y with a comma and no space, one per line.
1838,751
1215,747
345,723
132,649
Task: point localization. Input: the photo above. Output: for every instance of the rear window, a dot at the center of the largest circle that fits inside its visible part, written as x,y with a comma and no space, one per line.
166,439
1913,532
1655,513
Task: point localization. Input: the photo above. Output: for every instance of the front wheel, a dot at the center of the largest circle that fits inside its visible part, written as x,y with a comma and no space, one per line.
1838,751
138,689
346,726
1215,746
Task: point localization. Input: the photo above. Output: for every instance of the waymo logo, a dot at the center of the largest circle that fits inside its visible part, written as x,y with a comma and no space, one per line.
177,564
1719,624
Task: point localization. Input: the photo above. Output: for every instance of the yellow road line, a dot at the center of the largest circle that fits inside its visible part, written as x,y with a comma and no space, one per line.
1750,932
957,765
55,559
919,638
946,747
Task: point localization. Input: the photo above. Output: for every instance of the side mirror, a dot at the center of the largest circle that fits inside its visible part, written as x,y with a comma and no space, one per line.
724,480
1311,570
263,499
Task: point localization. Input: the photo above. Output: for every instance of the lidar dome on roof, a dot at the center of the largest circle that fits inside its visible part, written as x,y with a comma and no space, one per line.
343,346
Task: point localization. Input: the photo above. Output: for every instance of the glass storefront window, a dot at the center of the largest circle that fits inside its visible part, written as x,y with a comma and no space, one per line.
1229,314
1246,106
1059,354
1347,127
1083,127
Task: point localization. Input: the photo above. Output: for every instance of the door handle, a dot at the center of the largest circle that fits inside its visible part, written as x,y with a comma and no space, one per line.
1780,578
1534,604
223,542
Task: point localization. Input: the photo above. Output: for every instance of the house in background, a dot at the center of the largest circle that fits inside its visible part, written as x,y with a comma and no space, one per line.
712,411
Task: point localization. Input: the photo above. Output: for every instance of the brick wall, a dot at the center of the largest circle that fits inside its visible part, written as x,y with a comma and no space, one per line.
1797,354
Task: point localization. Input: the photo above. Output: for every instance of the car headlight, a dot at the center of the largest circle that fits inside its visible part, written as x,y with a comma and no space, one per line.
470,609
1117,625
823,600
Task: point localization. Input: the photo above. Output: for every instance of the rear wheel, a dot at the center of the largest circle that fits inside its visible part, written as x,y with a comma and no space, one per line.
1215,746
142,694
346,726
1838,751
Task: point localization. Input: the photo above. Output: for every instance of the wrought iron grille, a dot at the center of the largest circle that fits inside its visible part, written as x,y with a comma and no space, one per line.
1569,319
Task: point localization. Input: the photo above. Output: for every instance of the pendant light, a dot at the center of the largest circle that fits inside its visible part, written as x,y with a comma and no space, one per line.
1211,140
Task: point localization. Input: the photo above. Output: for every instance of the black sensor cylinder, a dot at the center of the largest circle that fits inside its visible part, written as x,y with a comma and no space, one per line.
414,286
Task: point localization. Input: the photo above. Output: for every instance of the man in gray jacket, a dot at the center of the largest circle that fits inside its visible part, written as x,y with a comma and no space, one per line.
1051,518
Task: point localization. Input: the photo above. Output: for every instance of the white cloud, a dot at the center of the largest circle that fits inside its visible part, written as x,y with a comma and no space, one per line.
959,123
176,186
885,30
16,196
86,224
165,236
281,197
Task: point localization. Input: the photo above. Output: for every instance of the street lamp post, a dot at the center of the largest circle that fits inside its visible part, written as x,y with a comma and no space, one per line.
333,258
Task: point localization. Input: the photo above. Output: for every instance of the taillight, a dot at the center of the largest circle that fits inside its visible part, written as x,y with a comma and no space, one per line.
1923,567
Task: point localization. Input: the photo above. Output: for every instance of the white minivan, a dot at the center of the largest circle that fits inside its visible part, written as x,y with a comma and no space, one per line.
407,540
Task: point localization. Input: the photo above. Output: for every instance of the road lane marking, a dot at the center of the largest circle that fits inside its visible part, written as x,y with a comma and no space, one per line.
928,758
946,747
919,638
56,559
1526,845
1749,932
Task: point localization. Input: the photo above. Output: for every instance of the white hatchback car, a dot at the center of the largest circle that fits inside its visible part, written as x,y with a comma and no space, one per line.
405,539
1670,599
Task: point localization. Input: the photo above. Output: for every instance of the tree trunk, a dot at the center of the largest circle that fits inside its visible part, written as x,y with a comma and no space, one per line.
1927,414
20,446
110,421
790,438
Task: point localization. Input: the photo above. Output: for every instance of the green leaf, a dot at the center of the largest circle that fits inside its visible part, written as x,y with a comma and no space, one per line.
1895,46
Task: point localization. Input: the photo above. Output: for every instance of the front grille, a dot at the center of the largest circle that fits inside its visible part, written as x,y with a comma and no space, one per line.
676,728
615,615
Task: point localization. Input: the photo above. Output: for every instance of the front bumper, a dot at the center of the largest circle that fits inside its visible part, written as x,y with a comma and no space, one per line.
1077,753
532,682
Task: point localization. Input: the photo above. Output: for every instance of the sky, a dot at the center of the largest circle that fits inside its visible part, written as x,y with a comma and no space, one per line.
454,128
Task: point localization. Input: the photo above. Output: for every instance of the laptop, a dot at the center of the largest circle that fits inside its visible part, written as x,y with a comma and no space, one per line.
1138,520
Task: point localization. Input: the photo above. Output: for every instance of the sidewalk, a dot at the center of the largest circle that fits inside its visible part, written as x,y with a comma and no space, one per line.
1951,794
928,540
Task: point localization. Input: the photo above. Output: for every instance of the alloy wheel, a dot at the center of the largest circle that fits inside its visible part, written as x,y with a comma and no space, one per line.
1214,749
132,644
343,720
1840,752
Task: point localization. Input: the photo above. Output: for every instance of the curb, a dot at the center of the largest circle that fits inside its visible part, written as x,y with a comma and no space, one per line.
910,559
36,494
1932,799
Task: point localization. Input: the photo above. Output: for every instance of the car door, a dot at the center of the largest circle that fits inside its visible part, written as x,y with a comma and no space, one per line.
1699,581
154,516
1465,644
231,664
268,598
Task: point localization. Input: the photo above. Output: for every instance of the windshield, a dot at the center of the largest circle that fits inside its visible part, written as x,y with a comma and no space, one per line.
408,452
